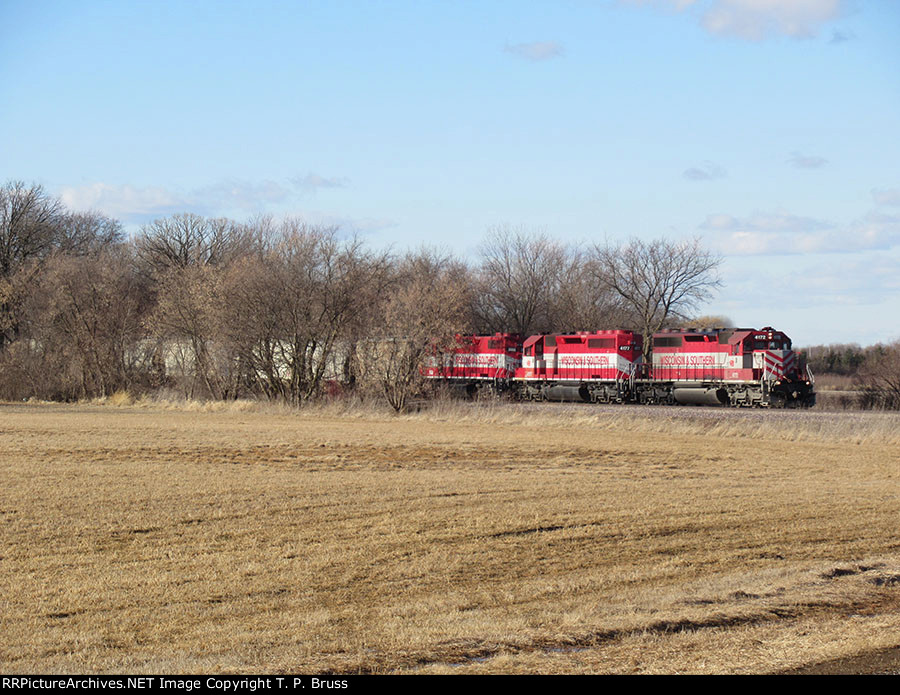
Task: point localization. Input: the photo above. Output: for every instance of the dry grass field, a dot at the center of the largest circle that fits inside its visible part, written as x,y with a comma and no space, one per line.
466,539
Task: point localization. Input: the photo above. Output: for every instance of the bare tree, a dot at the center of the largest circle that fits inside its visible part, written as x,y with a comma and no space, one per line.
291,311
185,240
186,256
520,278
88,233
708,321
250,321
85,320
657,280
184,323
580,304
30,222
879,378
423,311
29,226
34,225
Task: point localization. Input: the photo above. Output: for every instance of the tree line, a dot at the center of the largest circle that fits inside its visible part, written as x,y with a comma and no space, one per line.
284,310
874,370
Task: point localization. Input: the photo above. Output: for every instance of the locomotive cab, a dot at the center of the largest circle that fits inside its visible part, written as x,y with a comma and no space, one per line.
779,370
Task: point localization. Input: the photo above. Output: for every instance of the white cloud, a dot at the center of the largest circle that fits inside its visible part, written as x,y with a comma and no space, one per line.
537,50
755,20
805,161
707,171
782,233
124,201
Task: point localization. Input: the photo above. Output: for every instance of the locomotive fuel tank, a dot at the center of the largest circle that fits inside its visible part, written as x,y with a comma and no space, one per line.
701,396
566,393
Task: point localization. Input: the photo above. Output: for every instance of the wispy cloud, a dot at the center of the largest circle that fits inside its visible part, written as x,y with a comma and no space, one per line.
805,161
838,36
241,195
314,181
135,204
861,280
782,233
764,222
871,278
708,171
536,50
677,5
348,225
890,196
756,20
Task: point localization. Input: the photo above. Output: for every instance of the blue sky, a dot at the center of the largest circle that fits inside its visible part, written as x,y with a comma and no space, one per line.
770,128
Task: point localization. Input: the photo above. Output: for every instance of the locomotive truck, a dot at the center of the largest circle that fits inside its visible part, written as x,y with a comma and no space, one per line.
739,367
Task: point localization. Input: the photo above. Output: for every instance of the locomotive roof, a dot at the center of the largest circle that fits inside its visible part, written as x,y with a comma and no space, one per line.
531,340
735,335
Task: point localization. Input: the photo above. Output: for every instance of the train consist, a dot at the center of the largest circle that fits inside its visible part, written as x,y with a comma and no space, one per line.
738,367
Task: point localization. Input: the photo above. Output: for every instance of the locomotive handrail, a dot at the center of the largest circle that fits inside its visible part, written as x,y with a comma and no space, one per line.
631,370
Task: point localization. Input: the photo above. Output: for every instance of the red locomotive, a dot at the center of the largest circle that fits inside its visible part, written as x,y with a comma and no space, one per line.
598,367
737,367
479,361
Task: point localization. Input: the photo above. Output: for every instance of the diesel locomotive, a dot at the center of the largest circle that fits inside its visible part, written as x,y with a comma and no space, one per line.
739,367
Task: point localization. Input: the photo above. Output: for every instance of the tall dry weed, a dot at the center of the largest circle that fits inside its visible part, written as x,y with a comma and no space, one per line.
840,427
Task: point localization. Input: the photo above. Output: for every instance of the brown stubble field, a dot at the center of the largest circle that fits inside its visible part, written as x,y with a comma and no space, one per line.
466,539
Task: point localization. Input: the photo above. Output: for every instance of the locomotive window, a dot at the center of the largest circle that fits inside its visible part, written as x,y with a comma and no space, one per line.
570,341
774,345
760,345
668,341
528,351
694,338
601,342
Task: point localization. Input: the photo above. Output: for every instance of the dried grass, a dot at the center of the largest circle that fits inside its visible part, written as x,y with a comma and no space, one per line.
169,538
785,425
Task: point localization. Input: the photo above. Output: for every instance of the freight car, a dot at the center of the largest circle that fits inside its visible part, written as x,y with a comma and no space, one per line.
740,367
